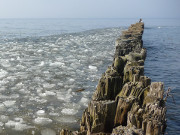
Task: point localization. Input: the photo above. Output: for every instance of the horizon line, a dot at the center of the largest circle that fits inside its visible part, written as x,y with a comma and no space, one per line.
90,18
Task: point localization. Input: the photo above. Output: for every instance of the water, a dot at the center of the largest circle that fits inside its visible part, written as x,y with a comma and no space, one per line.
44,61
163,64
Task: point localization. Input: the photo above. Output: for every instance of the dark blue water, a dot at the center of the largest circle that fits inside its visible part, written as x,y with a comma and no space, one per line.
44,60
163,64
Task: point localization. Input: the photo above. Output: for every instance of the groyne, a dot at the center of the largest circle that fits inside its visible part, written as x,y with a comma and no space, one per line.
125,101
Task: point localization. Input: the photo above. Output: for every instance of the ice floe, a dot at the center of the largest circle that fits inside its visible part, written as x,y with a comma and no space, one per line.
84,101
9,103
42,121
4,118
38,77
3,73
67,111
57,64
65,95
2,107
18,124
92,67
40,113
42,63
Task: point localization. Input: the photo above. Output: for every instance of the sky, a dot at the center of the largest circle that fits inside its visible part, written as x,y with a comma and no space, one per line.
89,8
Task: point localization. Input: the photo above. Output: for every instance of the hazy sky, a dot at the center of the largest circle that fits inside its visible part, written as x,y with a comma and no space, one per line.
89,8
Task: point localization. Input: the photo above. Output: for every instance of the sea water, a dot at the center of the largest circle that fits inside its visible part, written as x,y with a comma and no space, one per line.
43,62
162,41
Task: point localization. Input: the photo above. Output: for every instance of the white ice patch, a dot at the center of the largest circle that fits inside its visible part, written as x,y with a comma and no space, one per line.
74,65
92,67
2,107
71,80
1,124
3,73
59,58
40,113
17,125
19,85
4,118
84,101
5,63
41,64
18,120
37,99
48,86
42,121
57,64
67,111
23,91
50,93
42,94
9,103
39,51
41,101
20,67
87,93
86,50
2,89
65,96
47,93
48,132
14,96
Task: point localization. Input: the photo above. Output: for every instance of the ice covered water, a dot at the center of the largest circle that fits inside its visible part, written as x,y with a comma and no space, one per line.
39,77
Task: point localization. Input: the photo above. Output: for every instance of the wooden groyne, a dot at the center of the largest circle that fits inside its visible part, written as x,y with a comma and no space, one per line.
125,102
